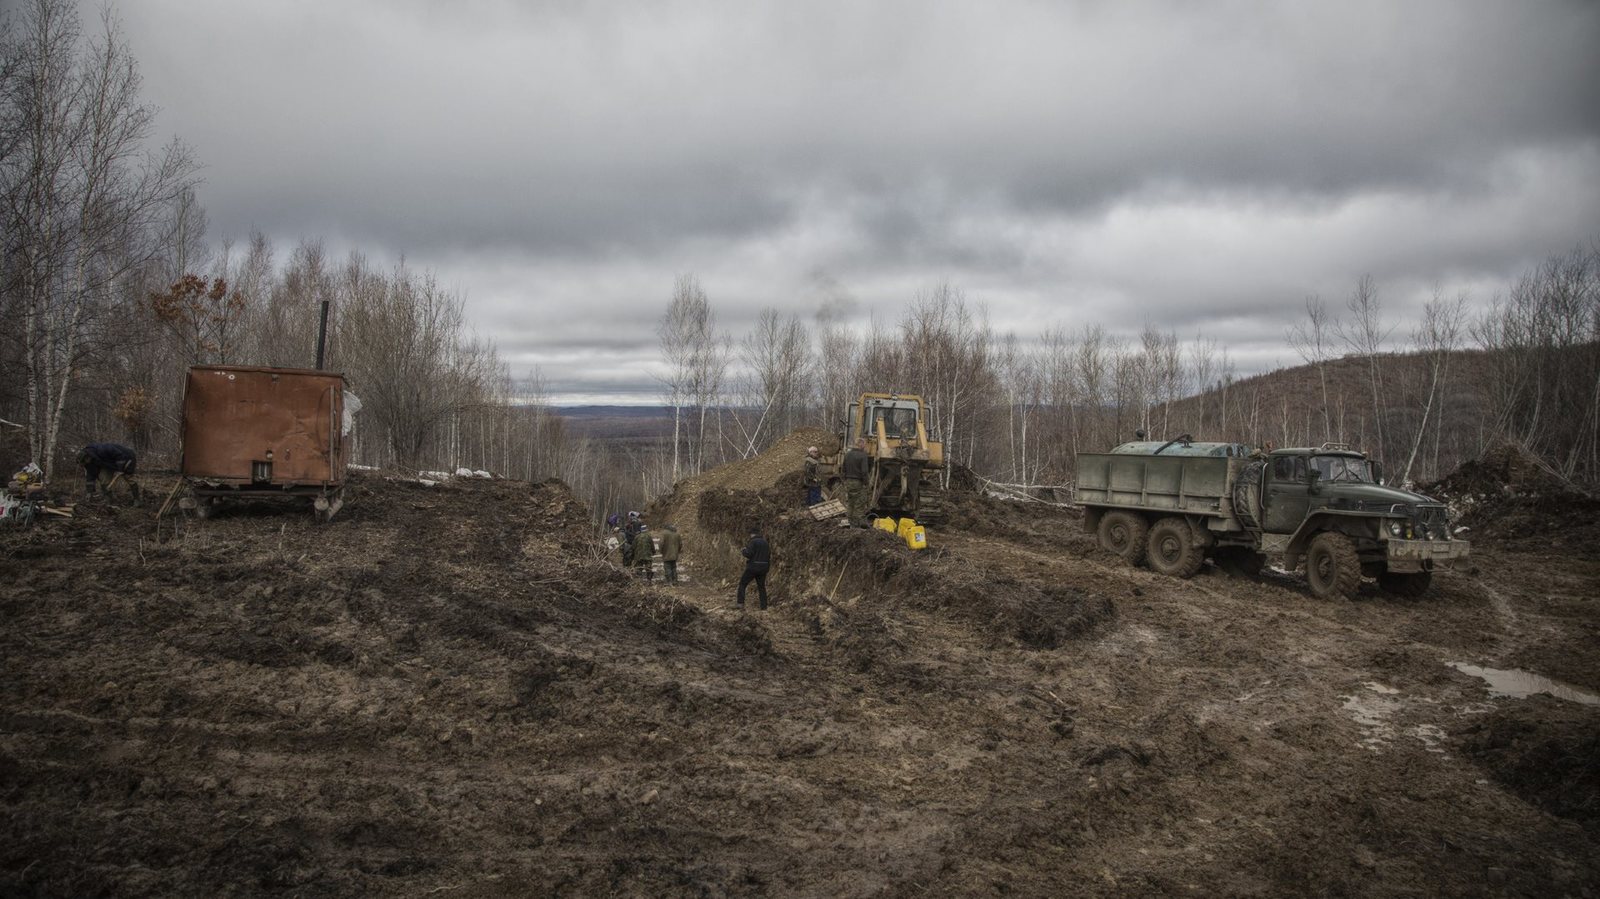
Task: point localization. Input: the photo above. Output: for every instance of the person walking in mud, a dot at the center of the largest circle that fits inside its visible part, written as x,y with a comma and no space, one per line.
106,464
856,470
671,546
757,560
812,478
644,551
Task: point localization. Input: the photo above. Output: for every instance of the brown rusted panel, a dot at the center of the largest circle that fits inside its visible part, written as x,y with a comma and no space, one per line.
234,417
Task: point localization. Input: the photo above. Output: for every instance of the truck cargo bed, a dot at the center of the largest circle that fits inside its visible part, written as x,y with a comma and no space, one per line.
1187,484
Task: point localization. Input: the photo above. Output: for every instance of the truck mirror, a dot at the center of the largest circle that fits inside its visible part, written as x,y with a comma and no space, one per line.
1377,471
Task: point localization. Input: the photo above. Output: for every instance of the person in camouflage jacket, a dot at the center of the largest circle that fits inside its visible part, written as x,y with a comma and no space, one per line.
644,551
671,547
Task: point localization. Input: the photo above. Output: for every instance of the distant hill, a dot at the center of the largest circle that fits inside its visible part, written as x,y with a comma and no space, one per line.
616,422
1286,407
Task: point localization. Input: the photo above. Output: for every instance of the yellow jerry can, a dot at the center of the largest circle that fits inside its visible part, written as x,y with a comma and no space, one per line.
884,524
913,534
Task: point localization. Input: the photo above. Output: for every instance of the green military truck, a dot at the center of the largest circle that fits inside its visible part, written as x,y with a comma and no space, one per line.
1173,505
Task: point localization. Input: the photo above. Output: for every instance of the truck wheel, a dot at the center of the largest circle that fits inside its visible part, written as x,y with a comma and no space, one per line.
1123,533
1407,585
1171,550
1237,561
1332,567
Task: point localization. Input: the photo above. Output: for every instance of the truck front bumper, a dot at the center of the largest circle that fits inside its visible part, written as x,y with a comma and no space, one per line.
1426,555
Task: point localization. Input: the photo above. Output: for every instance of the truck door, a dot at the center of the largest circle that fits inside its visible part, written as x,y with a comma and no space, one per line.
1288,496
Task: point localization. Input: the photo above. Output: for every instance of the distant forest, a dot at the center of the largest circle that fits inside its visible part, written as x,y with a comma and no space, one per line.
111,285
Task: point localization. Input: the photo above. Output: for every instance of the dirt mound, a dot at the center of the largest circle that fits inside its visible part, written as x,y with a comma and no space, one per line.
1512,497
1545,750
1034,523
1504,469
786,455
718,508
890,574
680,508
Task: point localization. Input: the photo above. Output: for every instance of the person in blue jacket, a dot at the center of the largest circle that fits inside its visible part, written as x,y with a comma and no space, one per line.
105,463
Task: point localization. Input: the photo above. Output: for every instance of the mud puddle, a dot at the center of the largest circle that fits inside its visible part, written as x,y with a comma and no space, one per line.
1516,683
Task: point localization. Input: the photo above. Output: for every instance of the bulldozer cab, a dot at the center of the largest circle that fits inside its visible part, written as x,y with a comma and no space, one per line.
897,423
886,418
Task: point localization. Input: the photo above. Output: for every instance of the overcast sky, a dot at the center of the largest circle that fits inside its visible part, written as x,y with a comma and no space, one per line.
1202,166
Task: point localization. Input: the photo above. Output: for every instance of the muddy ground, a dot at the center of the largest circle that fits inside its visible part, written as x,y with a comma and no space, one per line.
449,691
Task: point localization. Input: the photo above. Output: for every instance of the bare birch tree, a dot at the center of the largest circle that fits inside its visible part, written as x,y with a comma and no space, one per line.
777,369
1313,340
696,355
949,345
83,197
1022,372
836,367
406,353
1203,353
1436,337
1542,346
1364,334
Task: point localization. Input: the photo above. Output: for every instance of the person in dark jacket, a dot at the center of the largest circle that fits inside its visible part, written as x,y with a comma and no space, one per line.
671,547
857,470
812,479
106,463
644,551
630,532
757,559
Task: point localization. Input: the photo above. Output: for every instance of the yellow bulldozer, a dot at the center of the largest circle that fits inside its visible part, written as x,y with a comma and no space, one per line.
904,480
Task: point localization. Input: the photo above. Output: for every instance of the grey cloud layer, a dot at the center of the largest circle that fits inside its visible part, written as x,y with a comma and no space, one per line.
1193,164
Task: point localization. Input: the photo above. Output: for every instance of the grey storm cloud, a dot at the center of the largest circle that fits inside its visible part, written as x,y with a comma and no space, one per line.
1199,166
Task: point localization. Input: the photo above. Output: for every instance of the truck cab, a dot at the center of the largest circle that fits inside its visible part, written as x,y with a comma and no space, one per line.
1333,489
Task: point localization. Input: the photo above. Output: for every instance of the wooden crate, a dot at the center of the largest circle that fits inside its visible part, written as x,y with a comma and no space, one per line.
830,509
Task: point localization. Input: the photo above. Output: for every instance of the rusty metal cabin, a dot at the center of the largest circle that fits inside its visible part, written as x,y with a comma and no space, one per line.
253,432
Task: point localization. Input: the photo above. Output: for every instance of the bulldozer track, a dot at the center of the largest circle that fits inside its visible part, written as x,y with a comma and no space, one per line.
930,503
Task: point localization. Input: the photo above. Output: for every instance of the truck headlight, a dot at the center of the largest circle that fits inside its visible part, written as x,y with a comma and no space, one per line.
1397,527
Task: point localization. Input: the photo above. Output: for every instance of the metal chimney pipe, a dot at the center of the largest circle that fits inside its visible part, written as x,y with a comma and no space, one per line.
322,334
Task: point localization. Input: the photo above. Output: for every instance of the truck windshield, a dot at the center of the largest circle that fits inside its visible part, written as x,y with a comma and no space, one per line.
1341,468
